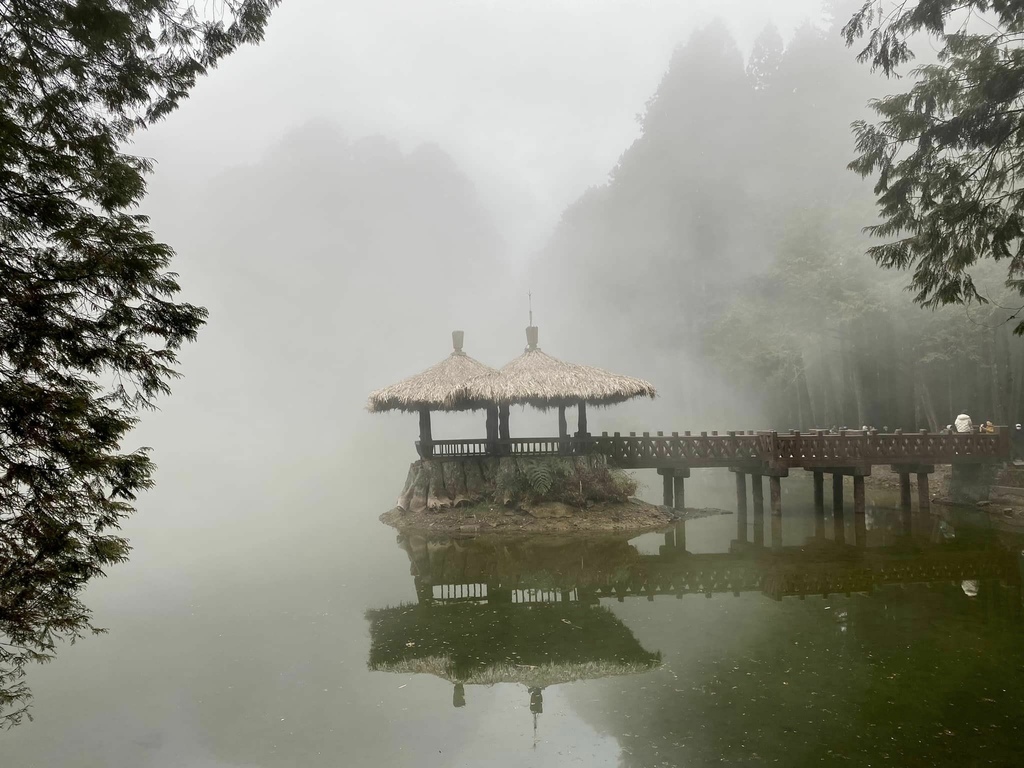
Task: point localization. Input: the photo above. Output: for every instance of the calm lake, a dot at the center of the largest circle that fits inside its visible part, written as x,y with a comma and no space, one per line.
288,627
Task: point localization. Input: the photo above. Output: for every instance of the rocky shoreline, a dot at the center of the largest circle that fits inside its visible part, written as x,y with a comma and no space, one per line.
633,515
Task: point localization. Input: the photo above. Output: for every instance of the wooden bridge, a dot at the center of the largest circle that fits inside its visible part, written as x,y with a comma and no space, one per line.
848,453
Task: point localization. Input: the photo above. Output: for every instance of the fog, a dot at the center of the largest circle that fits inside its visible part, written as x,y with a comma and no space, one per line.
656,174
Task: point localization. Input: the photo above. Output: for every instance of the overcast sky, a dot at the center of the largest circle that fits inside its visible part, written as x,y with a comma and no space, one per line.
535,99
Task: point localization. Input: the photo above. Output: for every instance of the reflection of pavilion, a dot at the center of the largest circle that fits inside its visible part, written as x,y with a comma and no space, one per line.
492,640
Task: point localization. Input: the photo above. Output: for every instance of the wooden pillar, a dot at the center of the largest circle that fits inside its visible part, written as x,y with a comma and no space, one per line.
563,427
492,429
757,491
775,492
426,438
860,529
503,422
681,535
679,497
904,491
741,506
819,505
667,488
924,500
838,527
582,422
905,508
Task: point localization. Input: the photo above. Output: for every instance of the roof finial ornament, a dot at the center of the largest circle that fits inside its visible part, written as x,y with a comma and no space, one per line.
531,329
457,339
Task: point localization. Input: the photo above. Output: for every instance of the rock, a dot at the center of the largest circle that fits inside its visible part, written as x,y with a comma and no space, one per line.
551,509
984,503
1008,512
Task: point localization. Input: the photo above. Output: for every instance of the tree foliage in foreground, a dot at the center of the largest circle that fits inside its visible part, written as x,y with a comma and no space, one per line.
949,153
89,324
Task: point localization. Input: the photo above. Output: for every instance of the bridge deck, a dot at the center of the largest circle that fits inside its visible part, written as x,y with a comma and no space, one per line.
768,451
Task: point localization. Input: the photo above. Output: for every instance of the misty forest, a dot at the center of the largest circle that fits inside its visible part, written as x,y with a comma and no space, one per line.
222,227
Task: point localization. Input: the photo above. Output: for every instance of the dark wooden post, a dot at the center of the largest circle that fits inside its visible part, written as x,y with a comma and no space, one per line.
503,422
757,491
924,501
819,505
681,535
860,530
667,487
741,506
775,493
905,491
670,540
563,427
492,429
581,424
426,438
679,497
838,528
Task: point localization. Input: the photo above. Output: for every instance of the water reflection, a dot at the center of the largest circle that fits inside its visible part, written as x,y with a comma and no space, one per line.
529,610
495,570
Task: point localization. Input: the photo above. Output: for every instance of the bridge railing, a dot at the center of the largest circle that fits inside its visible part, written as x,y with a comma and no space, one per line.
814,449
858,447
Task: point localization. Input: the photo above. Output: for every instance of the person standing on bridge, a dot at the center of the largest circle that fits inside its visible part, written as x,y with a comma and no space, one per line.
963,424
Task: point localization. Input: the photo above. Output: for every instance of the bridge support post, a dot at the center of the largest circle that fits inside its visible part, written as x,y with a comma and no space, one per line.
757,491
905,511
924,500
741,506
819,505
672,486
838,524
860,528
775,491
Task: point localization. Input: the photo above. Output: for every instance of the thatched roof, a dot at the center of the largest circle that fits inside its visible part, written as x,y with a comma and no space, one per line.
436,388
543,381
540,676
538,644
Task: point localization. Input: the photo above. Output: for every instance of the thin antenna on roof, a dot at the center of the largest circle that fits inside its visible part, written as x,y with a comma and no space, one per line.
531,330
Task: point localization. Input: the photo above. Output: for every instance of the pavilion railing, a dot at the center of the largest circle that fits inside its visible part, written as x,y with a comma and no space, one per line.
808,449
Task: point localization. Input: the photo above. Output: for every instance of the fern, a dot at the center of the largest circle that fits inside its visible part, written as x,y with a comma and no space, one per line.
541,475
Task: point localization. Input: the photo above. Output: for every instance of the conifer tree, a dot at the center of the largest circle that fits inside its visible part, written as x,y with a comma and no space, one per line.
949,153
89,322
765,58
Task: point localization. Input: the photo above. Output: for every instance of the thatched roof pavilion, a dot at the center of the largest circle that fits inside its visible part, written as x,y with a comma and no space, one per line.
538,379
439,388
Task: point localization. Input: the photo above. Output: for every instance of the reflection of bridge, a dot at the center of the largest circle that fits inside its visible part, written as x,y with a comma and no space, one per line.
483,570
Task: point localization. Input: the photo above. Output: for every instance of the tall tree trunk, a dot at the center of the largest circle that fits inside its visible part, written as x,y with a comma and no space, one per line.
927,406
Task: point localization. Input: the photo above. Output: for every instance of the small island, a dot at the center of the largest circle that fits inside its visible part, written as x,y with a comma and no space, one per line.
517,494
511,485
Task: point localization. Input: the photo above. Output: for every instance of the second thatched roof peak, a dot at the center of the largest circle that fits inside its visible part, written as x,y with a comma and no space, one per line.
543,381
437,389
